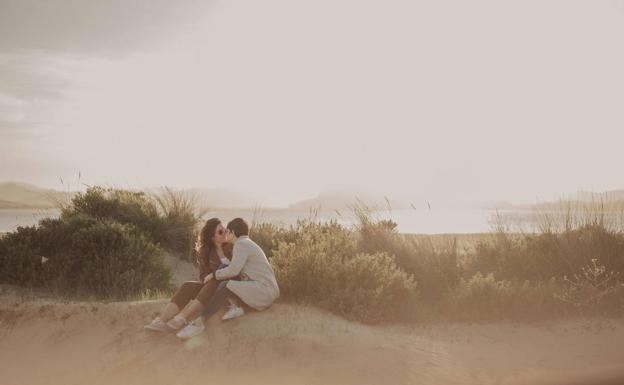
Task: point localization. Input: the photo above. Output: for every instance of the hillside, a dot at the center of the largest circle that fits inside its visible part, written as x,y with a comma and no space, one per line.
15,195
343,200
44,341
222,198
26,196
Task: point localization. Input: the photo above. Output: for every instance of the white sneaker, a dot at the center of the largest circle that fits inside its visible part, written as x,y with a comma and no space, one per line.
191,330
157,325
177,322
233,312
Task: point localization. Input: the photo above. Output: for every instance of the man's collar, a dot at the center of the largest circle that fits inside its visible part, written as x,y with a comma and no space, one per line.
241,237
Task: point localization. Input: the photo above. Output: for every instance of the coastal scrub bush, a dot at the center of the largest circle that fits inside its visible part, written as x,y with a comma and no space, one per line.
135,208
269,235
110,259
541,256
435,267
594,290
20,261
483,297
169,217
83,256
179,214
323,268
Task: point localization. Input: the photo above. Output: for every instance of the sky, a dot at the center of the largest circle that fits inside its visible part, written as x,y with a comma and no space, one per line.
448,101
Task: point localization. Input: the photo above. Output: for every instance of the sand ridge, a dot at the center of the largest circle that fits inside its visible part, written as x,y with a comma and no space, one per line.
46,341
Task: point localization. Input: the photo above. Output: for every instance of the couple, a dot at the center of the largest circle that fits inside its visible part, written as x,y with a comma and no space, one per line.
233,270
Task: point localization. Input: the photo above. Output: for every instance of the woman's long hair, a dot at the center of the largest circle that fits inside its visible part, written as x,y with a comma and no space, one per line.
204,245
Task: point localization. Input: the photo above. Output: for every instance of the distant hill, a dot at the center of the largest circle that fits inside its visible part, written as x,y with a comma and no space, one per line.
221,198
14,195
341,200
609,200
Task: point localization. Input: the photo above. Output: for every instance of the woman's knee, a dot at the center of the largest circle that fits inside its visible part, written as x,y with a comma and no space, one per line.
187,291
190,286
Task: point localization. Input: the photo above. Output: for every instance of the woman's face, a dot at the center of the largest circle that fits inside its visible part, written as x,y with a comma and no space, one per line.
220,235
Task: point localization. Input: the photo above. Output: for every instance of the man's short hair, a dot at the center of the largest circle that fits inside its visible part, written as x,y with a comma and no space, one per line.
238,226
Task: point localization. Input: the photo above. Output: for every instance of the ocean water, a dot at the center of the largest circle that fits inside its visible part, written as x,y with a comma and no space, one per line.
10,219
409,221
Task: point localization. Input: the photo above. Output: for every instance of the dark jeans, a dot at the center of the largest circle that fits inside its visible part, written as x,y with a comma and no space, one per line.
217,301
195,289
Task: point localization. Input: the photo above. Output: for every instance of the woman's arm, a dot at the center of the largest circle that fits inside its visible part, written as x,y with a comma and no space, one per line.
206,268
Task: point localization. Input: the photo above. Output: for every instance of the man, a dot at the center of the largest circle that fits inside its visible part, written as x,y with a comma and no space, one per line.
257,286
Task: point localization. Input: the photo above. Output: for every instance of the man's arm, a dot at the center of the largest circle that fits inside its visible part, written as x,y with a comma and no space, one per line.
239,258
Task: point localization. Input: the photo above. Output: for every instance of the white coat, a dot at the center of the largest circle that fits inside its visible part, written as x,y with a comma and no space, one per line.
257,287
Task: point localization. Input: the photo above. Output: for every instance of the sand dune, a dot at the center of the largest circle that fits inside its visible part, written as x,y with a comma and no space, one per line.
49,342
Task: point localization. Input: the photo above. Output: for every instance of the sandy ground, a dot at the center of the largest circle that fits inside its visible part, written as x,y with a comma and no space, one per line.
51,342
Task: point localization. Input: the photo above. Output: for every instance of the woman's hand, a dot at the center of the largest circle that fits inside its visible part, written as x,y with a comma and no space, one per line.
208,278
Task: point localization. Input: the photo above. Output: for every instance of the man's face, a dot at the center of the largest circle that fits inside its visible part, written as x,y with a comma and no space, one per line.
229,235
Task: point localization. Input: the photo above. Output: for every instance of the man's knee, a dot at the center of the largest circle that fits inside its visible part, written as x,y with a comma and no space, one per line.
222,285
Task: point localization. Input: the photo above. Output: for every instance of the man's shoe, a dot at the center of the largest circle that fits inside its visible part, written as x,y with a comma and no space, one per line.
177,322
233,312
191,330
157,325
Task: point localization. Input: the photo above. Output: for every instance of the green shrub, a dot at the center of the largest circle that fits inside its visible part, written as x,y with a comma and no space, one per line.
135,208
541,256
299,266
482,297
435,267
85,257
110,259
180,215
268,236
20,257
371,288
170,217
322,268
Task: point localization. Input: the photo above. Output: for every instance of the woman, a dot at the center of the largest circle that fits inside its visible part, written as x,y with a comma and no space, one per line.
257,286
213,252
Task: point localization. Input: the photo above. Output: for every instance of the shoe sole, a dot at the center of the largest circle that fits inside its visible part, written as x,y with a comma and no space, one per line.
170,328
232,317
188,337
154,329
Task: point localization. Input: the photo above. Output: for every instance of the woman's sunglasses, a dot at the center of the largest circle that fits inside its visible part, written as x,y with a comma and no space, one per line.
222,231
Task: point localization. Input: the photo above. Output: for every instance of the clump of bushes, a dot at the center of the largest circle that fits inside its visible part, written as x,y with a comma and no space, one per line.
324,268
169,218
83,256
593,290
541,256
504,276
268,235
484,298
561,256
435,267
107,243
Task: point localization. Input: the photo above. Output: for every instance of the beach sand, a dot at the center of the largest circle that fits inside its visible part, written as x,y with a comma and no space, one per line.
47,341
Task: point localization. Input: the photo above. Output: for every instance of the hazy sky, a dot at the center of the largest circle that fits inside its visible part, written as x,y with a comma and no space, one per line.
439,100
